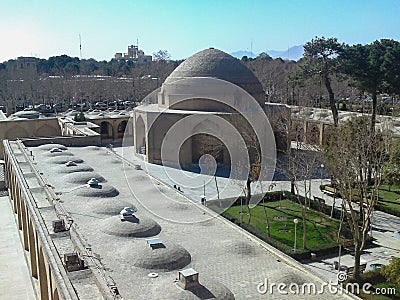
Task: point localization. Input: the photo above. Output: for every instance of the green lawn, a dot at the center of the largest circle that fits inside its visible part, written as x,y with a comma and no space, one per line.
386,288
321,230
390,198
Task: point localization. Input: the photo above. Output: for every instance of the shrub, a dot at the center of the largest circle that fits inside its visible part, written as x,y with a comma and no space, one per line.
79,117
392,271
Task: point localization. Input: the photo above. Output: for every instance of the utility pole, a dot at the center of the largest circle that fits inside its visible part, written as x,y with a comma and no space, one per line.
80,47
80,71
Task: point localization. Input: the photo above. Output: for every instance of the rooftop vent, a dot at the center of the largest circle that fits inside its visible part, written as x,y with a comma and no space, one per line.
155,243
114,290
188,278
70,163
55,149
127,212
58,226
152,275
93,182
73,262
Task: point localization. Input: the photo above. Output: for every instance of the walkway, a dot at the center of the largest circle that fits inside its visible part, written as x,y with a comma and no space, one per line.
15,279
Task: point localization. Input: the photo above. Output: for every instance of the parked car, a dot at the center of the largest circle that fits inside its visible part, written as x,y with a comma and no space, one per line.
100,105
58,106
128,103
112,104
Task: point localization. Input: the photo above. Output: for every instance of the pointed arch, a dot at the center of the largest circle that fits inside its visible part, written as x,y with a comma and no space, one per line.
140,136
47,131
16,132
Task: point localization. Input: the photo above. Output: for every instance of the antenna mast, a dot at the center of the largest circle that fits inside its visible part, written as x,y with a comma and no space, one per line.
80,47
80,70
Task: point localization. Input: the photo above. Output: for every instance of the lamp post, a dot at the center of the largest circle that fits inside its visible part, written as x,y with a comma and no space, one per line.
322,167
295,221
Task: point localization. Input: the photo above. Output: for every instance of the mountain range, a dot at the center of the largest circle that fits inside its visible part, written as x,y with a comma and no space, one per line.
292,53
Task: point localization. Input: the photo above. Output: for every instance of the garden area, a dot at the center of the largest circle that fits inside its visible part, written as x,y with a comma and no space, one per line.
320,228
389,199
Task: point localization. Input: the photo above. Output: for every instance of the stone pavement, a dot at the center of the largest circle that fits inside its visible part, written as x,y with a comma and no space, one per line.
15,279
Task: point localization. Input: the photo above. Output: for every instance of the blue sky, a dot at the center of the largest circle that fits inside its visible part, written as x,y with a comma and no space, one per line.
46,28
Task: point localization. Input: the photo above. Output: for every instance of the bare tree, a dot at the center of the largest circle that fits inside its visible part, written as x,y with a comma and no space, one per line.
161,55
353,151
244,173
298,161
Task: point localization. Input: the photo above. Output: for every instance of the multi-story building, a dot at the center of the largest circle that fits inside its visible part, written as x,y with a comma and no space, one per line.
134,53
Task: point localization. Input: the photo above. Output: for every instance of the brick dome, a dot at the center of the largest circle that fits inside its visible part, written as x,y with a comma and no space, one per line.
215,63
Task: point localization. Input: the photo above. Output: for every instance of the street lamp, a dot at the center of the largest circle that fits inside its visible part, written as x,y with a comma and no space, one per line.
295,221
322,167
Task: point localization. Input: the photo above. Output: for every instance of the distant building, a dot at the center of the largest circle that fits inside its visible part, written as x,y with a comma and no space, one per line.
25,67
134,53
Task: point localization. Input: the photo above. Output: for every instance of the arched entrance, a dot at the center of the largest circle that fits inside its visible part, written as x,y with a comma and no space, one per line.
121,129
313,135
16,132
140,136
106,130
206,144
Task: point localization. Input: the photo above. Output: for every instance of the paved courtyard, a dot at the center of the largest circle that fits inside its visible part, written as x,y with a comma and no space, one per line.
192,185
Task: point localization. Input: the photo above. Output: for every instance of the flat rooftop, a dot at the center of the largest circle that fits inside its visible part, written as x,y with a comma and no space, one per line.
231,263
325,115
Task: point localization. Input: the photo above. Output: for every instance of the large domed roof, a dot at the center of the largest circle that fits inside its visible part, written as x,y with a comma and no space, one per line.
218,64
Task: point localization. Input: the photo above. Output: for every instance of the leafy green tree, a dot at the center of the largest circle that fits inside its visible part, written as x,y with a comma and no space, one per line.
79,117
392,271
72,68
374,68
391,66
321,59
392,168
294,79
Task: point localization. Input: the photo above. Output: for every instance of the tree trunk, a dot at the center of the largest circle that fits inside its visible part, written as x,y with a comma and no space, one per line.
357,257
266,219
332,102
292,190
241,210
374,106
248,197
373,122
303,216
216,186
333,205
